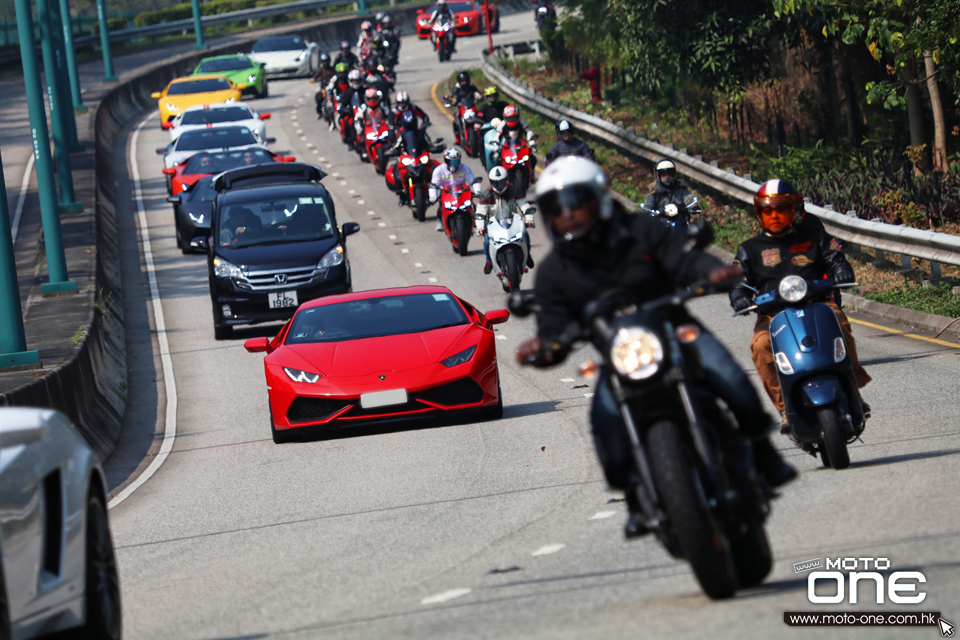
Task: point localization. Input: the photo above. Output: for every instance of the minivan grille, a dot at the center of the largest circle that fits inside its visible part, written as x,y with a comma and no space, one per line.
269,281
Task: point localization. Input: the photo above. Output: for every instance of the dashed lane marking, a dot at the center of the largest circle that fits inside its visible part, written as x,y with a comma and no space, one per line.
299,132
343,183
404,250
361,202
431,279
602,515
588,395
548,549
392,237
381,224
501,337
567,380
417,264
371,213
446,596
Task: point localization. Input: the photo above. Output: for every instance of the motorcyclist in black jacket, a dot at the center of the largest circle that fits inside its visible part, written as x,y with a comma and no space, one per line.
492,106
669,189
346,55
567,145
598,248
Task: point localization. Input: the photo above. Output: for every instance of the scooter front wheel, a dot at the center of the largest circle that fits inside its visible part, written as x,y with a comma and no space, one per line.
833,444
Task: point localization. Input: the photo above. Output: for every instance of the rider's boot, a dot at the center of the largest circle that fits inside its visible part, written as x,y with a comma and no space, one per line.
770,464
636,525
487,268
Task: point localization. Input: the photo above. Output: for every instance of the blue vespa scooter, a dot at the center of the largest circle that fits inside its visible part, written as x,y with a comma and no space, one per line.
820,393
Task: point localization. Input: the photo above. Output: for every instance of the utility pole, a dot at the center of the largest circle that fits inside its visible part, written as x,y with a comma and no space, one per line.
108,74
198,26
13,341
46,189
75,93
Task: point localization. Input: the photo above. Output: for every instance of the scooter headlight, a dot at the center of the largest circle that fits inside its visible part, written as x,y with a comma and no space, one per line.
839,349
783,363
636,353
793,289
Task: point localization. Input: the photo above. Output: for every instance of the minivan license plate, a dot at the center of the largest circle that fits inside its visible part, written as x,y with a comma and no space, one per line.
282,299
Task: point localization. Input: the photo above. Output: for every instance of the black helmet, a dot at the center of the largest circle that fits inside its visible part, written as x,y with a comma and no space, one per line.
344,46
562,127
463,78
387,21
324,59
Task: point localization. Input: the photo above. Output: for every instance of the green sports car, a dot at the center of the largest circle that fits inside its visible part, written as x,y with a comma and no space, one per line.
248,75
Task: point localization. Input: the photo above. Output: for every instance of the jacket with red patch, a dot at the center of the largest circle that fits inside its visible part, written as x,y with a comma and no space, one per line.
808,251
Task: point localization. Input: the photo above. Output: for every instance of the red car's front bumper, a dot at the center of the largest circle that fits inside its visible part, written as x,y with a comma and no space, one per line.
431,390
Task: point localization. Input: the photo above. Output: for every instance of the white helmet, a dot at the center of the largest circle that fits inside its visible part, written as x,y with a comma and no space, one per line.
499,180
355,78
569,182
666,172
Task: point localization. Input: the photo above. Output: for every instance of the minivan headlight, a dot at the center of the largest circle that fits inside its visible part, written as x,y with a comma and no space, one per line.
793,289
224,269
332,258
636,353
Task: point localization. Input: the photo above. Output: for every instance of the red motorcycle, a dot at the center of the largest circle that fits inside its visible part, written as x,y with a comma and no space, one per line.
376,136
345,122
410,177
469,126
456,213
442,42
515,158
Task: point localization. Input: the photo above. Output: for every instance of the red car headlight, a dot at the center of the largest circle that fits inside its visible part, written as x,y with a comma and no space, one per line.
302,376
459,358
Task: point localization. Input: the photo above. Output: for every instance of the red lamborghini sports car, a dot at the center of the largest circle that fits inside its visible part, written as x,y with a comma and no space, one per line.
467,15
380,355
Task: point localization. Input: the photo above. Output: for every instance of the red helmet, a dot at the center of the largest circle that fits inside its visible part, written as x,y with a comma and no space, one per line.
372,97
778,197
511,116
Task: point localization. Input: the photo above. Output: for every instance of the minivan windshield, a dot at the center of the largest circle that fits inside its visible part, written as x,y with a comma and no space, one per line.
274,221
375,317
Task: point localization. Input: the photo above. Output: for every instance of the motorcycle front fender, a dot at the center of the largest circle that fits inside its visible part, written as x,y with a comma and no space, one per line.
821,391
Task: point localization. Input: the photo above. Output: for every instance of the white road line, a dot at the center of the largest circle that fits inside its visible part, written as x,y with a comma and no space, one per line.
343,183
602,515
352,191
310,145
329,166
303,138
548,549
335,174
322,159
417,264
431,279
566,380
446,596
392,237
501,337
371,213
361,202
18,211
381,224
588,395
299,132
404,250
170,385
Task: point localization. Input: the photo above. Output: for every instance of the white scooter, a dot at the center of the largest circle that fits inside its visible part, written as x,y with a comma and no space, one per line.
506,229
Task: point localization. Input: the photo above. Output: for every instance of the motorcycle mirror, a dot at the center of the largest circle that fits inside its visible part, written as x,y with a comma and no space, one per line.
530,210
521,304
699,234
477,180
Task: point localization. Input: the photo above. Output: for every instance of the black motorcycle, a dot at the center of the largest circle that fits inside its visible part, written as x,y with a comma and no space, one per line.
698,490
545,16
674,214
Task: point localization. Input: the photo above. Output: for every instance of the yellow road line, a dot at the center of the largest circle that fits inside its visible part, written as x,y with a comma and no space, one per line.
904,333
443,109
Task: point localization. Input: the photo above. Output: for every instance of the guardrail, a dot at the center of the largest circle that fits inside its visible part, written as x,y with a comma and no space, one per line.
881,237
174,26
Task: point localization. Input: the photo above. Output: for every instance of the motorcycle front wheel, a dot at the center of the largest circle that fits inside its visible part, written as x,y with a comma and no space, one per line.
704,545
461,231
833,444
419,202
511,267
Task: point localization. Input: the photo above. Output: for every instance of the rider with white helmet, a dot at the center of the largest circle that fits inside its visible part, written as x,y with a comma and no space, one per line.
599,249
452,174
500,189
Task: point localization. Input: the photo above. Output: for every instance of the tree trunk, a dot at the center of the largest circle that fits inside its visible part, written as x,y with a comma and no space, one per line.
915,113
850,97
939,126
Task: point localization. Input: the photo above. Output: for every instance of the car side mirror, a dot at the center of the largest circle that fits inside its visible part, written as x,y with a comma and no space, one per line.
201,243
270,140
156,95
174,199
166,126
495,316
289,158
257,345
264,116
161,151
169,171
349,228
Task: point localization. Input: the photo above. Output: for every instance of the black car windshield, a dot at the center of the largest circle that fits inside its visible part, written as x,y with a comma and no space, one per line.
216,115
278,43
225,64
374,317
218,138
275,221
223,161
202,191
198,86
455,7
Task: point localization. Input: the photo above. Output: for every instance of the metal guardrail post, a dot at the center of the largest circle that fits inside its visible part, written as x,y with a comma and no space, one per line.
361,6
63,77
46,190
75,93
108,74
13,341
61,144
198,26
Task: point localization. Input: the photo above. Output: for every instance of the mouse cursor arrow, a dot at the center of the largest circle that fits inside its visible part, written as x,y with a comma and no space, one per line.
946,629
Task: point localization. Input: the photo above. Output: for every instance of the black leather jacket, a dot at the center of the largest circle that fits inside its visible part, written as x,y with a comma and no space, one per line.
575,147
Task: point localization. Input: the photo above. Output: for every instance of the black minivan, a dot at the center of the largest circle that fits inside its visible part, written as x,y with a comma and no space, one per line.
274,244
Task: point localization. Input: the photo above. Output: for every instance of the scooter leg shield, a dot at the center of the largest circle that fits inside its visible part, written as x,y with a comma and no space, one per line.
820,392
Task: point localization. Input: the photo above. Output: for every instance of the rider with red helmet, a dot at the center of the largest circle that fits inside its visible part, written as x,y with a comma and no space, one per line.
371,113
789,243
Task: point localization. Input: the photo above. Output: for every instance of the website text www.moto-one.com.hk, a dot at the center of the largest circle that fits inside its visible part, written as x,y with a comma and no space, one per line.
872,619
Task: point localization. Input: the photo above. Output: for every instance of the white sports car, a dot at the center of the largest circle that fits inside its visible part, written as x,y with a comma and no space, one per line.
57,565
286,56
206,116
212,139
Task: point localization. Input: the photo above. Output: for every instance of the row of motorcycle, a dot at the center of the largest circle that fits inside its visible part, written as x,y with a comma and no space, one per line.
409,175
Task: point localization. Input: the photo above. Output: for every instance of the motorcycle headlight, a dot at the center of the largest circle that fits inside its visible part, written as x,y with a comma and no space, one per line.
424,159
372,136
197,219
224,269
251,79
517,238
230,99
332,258
793,288
671,210
524,158
301,376
407,161
510,160
636,353
459,358
172,107
839,349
